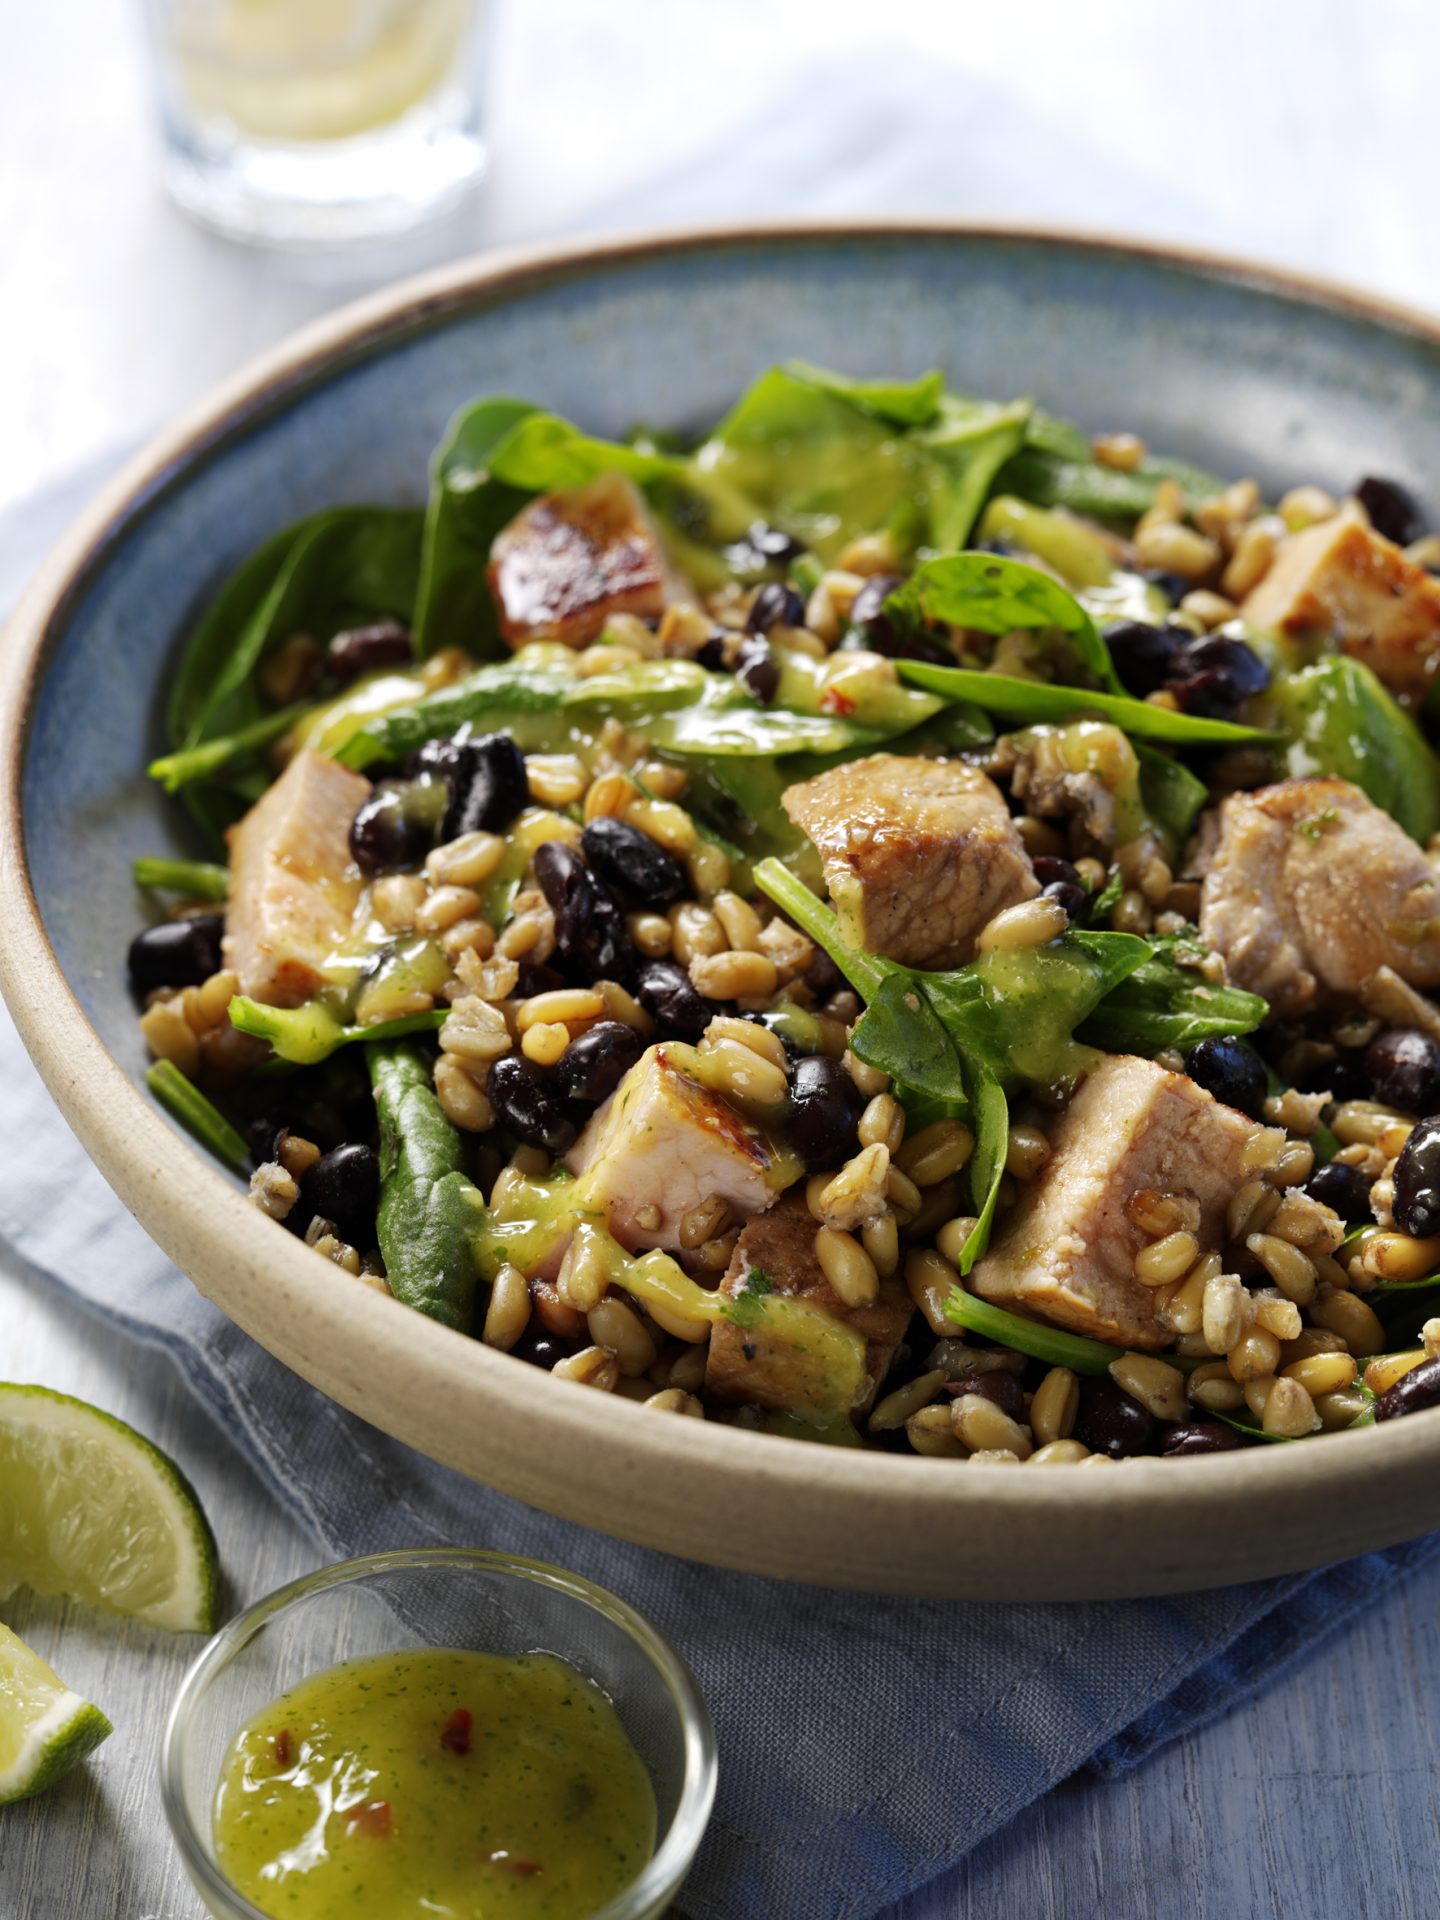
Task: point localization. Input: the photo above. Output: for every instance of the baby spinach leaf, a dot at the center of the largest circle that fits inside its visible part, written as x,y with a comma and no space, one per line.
827,457
1039,700
429,1209
307,1034
990,594
1162,1004
1171,795
1339,720
175,771
468,506
345,563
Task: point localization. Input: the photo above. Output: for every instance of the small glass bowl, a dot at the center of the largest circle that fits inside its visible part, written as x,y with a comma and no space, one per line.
442,1597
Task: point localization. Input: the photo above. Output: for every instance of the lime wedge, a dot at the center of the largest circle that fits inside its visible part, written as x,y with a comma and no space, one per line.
44,1727
90,1510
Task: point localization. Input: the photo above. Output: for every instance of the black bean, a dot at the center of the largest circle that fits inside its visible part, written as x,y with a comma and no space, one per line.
1109,1421
1404,1069
1174,586
365,649
825,1108
1073,899
595,1063
488,786
634,864
1231,1071
543,1349
1142,654
263,1135
1391,508
869,602
777,604
591,940
537,976
1049,867
1214,675
396,825
872,627
712,656
1413,1392
343,1186
1342,1079
763,546
1199,1436
175,953
529,1104
1417,1180
757,669
1000,1388
1344,1188
665,991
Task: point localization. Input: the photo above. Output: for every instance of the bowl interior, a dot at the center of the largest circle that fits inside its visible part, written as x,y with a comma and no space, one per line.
1224,369
480,1602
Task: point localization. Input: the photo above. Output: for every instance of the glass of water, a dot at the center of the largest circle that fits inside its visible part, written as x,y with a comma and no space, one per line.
316,122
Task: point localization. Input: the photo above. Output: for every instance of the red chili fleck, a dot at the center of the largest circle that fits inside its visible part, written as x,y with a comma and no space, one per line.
834,701
456,1735
284,1749
373,1818
525,1868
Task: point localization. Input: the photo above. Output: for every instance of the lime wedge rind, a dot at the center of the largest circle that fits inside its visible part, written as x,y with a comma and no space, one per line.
93,1511
45,1727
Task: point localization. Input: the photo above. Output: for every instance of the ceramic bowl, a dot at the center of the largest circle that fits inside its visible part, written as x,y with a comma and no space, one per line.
1246,370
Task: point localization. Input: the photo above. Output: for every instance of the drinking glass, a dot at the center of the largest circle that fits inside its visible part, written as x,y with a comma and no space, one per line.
307,123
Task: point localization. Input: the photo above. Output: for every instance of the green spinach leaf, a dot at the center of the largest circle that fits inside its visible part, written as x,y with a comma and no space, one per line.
1162,1004
1339,720
1056,467
429,1209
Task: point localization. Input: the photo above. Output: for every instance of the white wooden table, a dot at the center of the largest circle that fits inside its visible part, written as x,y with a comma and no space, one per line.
1300,130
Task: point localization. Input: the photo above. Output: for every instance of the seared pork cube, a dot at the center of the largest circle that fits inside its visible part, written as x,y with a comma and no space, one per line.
758,1363
1067,1253
917,854
663,1142
569,560
1311,889
293,885
1347,582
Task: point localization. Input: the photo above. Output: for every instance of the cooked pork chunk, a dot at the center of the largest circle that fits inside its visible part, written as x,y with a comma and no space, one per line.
293,887
571,559
1311,889
663,1142
918,854
1341,578
753,1364
1068,1250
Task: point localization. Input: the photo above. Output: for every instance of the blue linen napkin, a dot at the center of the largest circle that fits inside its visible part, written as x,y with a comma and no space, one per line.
865,1743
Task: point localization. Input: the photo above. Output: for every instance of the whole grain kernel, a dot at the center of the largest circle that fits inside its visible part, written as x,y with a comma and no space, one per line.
1055,1406
1289,1410
1166,1260
1159,1387
847,1266
1181,1309
169,1035
665,823
930,1431
651,934
930,1281
986,1428
1322,1372
1341,1408
859,1191
1159,1213
704,1221
1212,1388
462,1099
896,1408
1030,924
883,1121
621,1005
507,1312
881,1240
1382,1374
1356,1323
1256,1353
1122,451
444,907
747,1033
738,918
564,1004
1291,1270
676,1400
1026,1150
936,1152
868,1080
591,1367
695,933
744,1076
1060,1453
951,1238
620,1330
545,1043
1278,1316
468,861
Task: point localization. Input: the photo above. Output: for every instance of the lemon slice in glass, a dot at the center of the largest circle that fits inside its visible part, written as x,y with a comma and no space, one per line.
44,1727
91,1510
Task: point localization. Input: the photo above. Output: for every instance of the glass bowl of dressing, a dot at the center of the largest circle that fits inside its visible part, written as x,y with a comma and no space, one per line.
440,1732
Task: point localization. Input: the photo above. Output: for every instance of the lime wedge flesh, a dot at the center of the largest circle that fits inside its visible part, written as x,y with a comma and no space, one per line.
89,1509
44,1727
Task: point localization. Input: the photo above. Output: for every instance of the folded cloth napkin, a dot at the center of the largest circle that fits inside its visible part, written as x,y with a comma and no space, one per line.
865,1743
